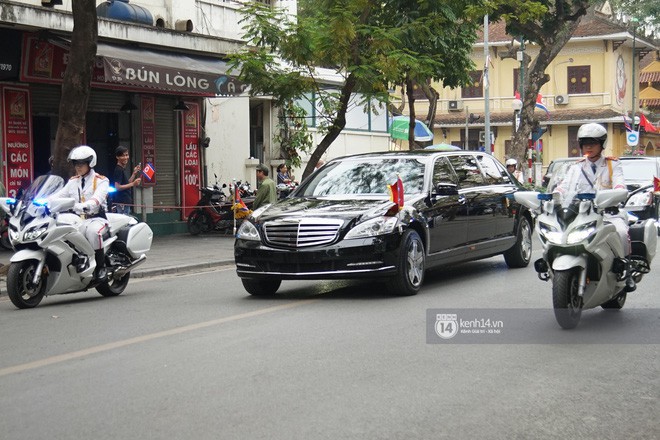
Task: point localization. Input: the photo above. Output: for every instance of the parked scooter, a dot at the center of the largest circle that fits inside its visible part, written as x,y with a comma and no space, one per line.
52,255
214,209
582,253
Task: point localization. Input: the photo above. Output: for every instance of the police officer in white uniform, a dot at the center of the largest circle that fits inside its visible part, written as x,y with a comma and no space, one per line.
90,190
595,172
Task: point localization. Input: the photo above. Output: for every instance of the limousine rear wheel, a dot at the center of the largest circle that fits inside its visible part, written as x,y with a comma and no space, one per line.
410,267
521,252
261,286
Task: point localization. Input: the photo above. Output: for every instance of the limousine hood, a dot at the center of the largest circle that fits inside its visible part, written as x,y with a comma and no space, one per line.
326,207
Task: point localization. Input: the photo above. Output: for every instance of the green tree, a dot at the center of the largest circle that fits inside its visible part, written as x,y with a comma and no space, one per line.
373,44
76,85
647,12
548,24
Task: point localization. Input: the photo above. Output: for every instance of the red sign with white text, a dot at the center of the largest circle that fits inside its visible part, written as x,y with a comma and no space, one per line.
148,116
17,139
190,154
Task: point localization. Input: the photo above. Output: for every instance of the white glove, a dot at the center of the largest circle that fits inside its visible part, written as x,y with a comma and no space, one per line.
79,208
556,197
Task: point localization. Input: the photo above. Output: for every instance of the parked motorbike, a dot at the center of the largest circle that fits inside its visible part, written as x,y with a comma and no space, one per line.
582,252
4,234
52,255
214,209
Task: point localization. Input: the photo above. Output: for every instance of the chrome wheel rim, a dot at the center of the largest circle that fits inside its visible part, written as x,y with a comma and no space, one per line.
415,264
526,240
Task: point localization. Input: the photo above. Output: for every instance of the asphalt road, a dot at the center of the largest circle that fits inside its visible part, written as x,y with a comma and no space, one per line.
195,357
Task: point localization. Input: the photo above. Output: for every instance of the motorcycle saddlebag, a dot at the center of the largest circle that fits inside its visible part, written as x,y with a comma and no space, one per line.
137,238
644,238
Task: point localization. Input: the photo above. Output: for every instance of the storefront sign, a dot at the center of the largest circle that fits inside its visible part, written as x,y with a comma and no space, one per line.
190,155
46,62
148,116
17,139
167,78
134,69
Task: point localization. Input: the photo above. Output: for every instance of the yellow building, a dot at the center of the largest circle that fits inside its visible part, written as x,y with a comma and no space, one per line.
591,80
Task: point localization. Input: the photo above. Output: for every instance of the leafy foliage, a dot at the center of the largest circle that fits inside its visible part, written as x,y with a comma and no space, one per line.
372,44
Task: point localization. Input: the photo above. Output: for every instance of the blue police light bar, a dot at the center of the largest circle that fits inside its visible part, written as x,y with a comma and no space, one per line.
111,189
40,202
11,201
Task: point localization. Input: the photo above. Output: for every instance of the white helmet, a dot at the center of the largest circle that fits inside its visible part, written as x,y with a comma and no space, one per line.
83,153
590,133
511,162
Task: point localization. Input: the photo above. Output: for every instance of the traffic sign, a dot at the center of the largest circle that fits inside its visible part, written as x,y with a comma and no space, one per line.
632,138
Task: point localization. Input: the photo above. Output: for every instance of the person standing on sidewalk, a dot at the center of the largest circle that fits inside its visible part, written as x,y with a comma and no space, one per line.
124,183
267,192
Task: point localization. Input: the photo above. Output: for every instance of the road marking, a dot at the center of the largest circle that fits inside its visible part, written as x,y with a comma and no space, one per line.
145,338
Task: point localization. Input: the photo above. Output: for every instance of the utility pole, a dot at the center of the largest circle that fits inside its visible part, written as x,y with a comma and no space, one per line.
487,140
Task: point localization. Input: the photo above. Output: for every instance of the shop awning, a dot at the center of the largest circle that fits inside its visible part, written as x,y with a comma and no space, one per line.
167,71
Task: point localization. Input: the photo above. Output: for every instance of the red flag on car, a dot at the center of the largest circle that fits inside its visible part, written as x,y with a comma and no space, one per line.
656,184
396,192
238,201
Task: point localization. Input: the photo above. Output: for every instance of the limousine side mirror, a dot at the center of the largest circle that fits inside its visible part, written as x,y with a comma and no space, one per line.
446,189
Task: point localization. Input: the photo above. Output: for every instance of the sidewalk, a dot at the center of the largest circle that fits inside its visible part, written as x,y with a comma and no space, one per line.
177,253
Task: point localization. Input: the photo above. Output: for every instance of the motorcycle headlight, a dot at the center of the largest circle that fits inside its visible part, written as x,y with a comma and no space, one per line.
34,233
581,233
640,199
371,228
550,233
248,231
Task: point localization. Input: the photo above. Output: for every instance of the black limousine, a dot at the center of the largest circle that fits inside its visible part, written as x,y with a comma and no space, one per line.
341,222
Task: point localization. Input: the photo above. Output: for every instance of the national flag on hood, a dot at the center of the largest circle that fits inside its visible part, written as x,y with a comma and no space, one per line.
149,171
238,201
656,184
396,192
648,127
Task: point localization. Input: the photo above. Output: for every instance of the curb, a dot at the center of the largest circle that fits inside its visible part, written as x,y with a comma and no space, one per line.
147,273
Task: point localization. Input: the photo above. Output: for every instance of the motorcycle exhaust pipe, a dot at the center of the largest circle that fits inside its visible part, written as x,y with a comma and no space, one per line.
123,270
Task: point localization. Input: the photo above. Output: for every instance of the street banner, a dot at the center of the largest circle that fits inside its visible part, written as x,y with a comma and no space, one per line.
16,139
148,122
190,165
632,138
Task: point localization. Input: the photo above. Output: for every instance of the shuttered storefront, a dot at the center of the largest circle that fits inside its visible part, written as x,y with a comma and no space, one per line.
166,191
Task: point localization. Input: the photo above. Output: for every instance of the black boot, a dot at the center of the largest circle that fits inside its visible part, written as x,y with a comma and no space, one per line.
100,273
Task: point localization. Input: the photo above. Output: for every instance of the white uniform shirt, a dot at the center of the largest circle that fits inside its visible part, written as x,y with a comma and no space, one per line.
581,178
92,196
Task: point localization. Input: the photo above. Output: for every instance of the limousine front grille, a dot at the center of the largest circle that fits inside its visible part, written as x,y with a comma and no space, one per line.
304,232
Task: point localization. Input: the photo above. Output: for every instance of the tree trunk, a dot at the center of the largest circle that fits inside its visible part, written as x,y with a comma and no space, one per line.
76,84
548,49
335,129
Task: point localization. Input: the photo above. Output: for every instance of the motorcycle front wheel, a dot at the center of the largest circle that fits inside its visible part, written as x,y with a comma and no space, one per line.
565,299
22,292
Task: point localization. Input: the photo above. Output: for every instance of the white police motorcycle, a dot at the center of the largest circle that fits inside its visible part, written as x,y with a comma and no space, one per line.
53,257
582,253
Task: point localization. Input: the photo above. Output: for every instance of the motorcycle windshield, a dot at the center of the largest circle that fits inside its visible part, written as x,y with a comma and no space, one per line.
42,187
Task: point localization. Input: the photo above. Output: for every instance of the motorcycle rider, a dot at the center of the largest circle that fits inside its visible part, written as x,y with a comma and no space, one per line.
90,190
595,172
511,167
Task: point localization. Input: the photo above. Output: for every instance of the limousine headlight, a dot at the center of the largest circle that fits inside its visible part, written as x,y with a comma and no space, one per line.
248,231
373,227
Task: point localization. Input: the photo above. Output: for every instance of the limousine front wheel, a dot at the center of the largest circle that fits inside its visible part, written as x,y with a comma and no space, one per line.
410,267
521,253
